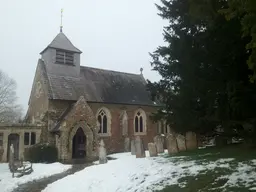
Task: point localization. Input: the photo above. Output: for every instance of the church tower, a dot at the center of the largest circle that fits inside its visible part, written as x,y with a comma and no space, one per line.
61,57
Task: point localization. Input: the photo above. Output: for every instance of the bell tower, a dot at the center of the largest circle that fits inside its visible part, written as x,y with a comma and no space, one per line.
61,56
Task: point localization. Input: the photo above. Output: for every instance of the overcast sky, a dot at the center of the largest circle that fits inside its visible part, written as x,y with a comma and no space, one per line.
112,34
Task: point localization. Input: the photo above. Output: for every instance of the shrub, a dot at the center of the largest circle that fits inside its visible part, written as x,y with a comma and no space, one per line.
42,153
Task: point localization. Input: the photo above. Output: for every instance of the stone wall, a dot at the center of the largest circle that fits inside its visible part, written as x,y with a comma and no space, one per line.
38,101
19,129
80,116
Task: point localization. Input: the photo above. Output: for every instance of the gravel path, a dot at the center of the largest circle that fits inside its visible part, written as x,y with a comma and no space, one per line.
39,185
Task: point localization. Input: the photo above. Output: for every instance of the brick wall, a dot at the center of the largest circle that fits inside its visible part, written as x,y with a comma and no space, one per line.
115,143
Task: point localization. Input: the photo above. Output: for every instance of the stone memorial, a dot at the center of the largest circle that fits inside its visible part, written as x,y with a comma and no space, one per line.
133,149
127,144
102,153
159,141
152,149
172,144
140,150
181,142
191,140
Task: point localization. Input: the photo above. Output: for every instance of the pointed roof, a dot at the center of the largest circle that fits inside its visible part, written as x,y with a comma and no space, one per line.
62,42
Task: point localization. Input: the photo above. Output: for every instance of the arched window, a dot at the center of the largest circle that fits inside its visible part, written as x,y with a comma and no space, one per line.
140,122
104,119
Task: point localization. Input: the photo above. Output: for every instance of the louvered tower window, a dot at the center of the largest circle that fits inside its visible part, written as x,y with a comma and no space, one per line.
64,57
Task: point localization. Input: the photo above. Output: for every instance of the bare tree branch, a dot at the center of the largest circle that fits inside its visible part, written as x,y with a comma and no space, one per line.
10,111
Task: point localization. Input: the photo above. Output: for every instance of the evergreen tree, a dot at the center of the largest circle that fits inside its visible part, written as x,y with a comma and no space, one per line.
245,10
203,67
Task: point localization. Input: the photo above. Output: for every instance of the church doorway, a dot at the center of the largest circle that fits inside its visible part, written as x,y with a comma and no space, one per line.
78,144
13,139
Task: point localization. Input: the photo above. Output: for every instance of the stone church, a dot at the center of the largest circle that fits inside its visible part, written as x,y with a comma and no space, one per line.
73,106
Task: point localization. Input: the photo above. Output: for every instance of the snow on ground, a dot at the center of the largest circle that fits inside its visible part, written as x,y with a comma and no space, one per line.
7,183
244,175
129,174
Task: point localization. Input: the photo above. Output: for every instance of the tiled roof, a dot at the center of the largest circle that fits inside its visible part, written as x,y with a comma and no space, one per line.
62,42
99,85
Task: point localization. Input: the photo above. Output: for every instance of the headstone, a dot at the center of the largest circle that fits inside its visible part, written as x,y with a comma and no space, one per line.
152,149
102,153
181,142
127,144
133,149
172,144
140,150
191,140
159,141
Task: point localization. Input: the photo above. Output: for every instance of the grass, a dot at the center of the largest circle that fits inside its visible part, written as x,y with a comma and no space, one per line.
213,180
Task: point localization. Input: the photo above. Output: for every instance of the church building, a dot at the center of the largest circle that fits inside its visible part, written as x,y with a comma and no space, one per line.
74,106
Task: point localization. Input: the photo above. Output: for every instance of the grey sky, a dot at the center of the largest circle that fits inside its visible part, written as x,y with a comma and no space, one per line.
112,34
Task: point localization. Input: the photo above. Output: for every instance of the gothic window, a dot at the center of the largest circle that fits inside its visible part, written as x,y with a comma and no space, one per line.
140,122
104,119
64,57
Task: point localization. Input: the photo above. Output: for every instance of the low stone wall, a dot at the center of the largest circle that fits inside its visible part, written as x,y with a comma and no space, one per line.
19,130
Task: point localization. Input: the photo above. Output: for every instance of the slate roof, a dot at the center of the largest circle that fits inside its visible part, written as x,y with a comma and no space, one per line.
96,85
99,85
62,42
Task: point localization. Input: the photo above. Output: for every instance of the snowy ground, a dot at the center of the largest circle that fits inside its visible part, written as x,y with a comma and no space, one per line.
7,183
128,174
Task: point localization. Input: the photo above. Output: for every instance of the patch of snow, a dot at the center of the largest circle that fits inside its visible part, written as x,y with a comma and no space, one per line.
244,175
225,160
129,174
7,183
253,162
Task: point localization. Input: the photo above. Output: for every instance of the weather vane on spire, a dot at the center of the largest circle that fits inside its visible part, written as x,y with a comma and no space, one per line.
61,26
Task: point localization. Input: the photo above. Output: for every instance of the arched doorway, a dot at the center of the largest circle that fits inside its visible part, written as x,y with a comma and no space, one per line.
79,144
15,140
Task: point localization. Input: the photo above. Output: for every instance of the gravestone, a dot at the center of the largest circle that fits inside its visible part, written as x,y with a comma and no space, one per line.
172,144
159,141
181,142
152,149
191,140
133,149
127,144
102,153
140,150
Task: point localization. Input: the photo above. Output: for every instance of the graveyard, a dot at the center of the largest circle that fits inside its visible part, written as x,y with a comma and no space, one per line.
177,165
